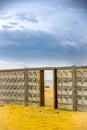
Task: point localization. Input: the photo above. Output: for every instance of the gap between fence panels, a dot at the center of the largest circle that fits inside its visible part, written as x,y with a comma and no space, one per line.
48,87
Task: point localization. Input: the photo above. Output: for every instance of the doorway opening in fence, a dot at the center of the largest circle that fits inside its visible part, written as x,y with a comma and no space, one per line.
48,87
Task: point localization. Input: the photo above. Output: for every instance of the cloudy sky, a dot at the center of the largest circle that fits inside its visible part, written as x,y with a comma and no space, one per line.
37,33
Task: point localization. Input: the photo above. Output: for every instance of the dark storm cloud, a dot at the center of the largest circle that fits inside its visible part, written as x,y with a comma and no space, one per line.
64,3
6,27
13,23
26,17
28,44
65,20
73,3
38,45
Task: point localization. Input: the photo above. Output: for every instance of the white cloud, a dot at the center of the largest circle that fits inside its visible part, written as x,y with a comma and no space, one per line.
50,18
3,62
70,43
13,65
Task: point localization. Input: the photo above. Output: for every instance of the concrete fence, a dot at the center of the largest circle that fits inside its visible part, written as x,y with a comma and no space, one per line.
20,86
26,86
71,88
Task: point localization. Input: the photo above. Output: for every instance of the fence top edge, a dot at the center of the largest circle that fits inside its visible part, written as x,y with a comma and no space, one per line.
38,68
81,67
44,68
18,69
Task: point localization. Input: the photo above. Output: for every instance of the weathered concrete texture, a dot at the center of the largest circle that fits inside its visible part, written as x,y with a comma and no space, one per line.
20,87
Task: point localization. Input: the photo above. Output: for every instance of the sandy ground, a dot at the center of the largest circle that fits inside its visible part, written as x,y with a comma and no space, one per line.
49,96
15,117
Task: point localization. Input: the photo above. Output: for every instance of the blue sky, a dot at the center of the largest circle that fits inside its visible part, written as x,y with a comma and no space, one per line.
37,33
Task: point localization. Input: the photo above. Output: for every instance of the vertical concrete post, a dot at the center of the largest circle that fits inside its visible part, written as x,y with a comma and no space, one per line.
26,85
55,88
74,85
42,102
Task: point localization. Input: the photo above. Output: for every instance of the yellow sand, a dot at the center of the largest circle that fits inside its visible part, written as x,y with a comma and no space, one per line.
49,96
16,117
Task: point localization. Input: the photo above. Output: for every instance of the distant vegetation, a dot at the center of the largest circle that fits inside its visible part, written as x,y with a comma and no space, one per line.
47,86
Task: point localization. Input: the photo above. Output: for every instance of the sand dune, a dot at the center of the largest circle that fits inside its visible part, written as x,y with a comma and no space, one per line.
16,117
